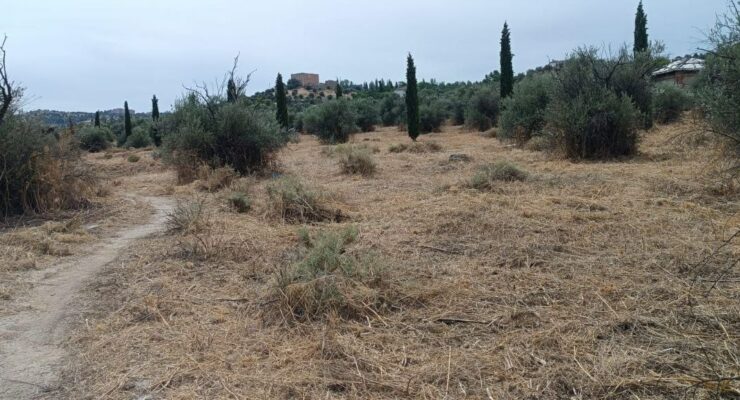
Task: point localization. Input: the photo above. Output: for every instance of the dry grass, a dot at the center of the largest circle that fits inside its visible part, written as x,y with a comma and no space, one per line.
594,280
295,202
415,147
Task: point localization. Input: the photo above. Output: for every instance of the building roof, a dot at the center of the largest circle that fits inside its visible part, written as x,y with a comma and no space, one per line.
682,65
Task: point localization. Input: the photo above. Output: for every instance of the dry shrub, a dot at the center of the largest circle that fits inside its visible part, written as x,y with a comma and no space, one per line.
215,179
357,161
240,202
186,166
540,143
502,171
133,158
415,147
188,217
296,203
344,148
330,280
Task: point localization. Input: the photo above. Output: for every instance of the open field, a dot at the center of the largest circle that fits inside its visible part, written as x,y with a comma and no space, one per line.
585,280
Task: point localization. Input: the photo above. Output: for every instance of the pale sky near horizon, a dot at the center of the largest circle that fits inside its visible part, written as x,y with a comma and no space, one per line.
85,55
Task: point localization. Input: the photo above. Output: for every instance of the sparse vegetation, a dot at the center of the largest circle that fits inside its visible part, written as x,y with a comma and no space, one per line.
133,158
294,202
416,147
240,202
357,160
330,280
489,175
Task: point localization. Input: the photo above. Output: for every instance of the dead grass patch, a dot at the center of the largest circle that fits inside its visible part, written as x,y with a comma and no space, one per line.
416,147
502,171
295,202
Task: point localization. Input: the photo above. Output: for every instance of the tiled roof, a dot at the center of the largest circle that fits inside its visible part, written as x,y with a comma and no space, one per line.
682,65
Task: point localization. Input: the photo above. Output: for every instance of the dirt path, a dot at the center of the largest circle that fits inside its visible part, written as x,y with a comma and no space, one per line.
30,341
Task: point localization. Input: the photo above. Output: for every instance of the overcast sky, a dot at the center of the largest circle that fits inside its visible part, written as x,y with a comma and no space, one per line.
83,55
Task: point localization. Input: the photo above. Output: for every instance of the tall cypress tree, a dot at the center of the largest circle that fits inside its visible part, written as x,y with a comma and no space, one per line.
412,99
641,35
282,102
339,90
507,70
126,120
155,108
97,119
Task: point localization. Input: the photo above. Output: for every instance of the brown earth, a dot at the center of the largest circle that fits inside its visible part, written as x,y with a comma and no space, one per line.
586,280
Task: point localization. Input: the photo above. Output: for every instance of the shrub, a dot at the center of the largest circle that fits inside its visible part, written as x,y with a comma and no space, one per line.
240,202
357,161
333,122
215,179
392,110
329,279
95,139
133,158
296,203
525,110
188,217
719,84
540,143
502,171
431,117
591,120
221,133
366,112
40,172
483,109
669,102
415,147
139,138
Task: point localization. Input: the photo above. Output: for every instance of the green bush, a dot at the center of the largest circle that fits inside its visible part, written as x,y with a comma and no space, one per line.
591,120
140,138
133,158
95,139
483,109
332,122
431,117
502,171
719,85
366,113
222,134
329,279
524,112
392,110
669,102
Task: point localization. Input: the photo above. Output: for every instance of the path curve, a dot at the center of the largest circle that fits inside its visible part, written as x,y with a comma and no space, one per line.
30,341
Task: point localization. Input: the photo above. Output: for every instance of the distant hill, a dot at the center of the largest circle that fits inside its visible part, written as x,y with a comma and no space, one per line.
62,118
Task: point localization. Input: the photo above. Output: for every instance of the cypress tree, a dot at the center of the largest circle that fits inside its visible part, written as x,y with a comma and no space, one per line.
507,70
231,91
126,120
282,102
155,108
641,35
97,119
412,99
339,90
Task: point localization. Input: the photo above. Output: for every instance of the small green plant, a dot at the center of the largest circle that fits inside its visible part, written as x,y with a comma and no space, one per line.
240,202
502,171
330,279
133,158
